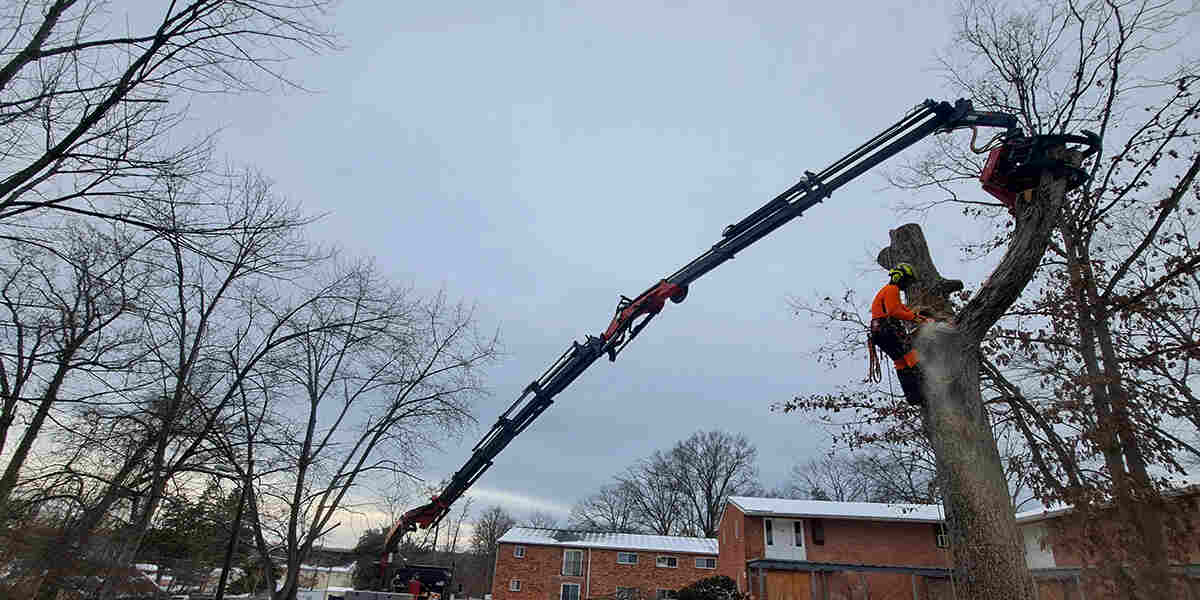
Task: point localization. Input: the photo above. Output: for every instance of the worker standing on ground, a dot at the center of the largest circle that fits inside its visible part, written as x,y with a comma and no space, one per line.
887,331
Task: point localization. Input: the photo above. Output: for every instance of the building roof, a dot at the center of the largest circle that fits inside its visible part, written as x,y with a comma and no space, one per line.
613,541
785,507
1041,514
330,569
1182,488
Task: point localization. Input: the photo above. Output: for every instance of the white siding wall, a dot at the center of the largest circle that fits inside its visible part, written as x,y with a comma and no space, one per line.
1035,556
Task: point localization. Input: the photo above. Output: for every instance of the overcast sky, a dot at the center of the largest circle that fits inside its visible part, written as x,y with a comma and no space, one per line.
542,159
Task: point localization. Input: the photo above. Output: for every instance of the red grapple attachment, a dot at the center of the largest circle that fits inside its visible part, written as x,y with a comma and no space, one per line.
1017,165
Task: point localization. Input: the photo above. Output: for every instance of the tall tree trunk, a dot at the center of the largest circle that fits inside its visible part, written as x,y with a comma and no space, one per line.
989,557
1136,497
140,523
231,547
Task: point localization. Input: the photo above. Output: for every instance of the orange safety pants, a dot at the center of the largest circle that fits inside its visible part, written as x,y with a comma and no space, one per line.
891,337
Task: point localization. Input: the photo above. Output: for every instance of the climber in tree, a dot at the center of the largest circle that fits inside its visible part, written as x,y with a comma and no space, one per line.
887,331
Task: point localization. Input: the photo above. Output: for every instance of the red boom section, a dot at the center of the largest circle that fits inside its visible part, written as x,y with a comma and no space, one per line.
421,516
648,304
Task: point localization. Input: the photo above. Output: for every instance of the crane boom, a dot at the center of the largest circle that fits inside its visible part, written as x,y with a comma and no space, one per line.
926,118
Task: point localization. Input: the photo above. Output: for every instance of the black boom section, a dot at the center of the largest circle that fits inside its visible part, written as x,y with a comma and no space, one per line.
533,401
927,118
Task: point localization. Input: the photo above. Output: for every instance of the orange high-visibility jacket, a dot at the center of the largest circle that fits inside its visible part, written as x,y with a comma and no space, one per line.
887,304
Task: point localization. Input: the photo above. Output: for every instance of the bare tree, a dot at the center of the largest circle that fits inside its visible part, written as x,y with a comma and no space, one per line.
832,477
214,318
988,556
67,296
492,524
86,100
894,475
1093,368
1096,367
612,508
660,504
454,532
708,468
379,377
541,519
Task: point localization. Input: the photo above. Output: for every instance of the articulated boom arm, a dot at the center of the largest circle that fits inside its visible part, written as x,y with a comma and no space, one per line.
633,314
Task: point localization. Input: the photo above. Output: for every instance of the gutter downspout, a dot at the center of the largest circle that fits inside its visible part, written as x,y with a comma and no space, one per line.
588,579
495,565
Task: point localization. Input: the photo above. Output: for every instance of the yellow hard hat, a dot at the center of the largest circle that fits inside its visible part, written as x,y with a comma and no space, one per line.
901,271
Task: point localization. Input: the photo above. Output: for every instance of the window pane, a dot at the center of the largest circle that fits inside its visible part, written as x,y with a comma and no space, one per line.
572,562
770,532
798,533
570,591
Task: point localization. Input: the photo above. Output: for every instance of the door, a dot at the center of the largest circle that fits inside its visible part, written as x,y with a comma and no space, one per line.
798,550
784,539
788,585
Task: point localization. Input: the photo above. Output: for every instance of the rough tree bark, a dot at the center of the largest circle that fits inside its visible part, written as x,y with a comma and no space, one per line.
989,560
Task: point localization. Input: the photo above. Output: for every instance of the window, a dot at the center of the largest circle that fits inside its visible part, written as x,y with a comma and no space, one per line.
798,533
770,532
519,551
941,539
706,563
570,591
627,558
627,593
737,531
573,563
661,594
818,527
514,585
668,562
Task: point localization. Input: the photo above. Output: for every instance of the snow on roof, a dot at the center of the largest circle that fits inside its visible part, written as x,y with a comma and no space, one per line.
1041,514
785,507
340,569
613,541
1180,488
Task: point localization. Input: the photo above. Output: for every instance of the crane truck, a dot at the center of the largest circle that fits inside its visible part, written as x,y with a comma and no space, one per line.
1014,164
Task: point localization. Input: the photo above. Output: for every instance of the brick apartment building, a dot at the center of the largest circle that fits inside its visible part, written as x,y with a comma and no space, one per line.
782,549
786,549
779,549
1056,551
544,564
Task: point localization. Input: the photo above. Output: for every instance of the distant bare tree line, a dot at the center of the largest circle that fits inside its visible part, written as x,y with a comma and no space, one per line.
682,491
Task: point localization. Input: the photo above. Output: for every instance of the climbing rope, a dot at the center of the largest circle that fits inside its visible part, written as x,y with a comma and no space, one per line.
874,373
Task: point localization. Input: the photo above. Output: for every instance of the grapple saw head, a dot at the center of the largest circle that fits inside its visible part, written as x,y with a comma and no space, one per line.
1017,164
